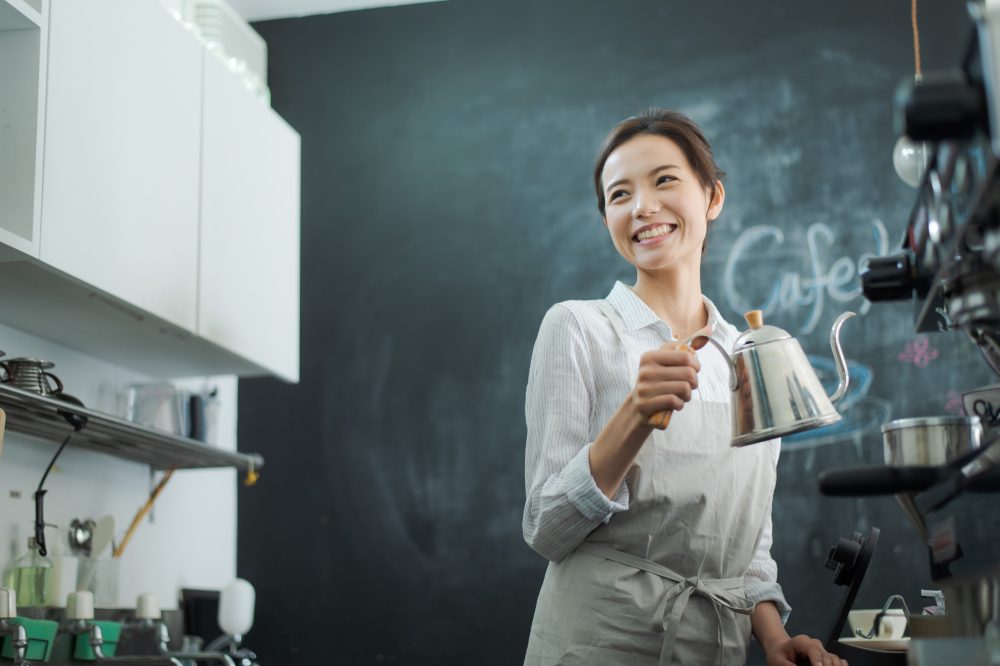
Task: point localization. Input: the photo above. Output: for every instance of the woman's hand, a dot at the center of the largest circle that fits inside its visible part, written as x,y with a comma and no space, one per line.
666,378
801,650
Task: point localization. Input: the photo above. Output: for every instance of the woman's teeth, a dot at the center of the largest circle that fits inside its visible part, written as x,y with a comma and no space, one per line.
661,230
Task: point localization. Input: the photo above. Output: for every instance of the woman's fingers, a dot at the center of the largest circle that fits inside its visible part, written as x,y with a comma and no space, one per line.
668,357
667,376
655,374
651,391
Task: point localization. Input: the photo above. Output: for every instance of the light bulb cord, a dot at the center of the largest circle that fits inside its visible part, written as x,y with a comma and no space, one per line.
916,39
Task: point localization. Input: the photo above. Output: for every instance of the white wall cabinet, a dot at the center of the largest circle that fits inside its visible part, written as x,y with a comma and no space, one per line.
122,152
22,57
149,204
249,299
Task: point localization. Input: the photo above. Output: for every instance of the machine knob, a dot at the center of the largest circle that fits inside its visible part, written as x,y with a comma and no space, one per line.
889,278
944,106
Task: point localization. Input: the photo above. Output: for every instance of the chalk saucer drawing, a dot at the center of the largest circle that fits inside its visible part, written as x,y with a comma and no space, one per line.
919,352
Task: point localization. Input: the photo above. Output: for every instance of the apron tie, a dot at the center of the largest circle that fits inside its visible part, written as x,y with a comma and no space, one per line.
719,591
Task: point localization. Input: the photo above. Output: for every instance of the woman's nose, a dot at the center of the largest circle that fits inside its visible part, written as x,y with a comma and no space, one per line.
646,203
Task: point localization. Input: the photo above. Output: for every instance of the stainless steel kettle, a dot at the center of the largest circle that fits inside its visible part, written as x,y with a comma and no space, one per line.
775,391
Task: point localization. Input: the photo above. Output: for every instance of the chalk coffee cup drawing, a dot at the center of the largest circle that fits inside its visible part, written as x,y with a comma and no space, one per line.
31,374
984,402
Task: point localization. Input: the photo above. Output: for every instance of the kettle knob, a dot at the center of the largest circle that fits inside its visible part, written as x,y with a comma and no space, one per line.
755,319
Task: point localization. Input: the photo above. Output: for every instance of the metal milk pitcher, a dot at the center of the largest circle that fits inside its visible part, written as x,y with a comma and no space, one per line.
775,390
31,374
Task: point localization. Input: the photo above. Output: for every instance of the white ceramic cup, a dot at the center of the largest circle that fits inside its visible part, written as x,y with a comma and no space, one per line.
984,402
892,626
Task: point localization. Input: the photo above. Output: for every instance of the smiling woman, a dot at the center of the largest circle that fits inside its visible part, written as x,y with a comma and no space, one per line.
658,539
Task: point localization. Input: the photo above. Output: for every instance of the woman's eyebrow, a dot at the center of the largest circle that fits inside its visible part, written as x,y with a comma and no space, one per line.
652,172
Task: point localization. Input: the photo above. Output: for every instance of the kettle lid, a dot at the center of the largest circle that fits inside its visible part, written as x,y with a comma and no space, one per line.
759,333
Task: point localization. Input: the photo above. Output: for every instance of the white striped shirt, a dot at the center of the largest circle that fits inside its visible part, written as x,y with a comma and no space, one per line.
572,393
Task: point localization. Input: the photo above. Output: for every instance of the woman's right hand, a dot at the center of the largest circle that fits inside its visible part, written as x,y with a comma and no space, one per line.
667,376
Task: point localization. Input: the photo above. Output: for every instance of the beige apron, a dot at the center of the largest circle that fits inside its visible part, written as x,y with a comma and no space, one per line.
662,583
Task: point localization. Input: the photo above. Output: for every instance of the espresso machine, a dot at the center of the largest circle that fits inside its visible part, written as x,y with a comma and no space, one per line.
948,266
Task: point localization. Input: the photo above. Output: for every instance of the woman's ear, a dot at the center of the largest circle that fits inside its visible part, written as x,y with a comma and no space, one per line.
718,200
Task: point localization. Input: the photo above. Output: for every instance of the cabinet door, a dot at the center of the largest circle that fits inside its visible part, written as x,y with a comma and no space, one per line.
249,295
121,173
22,57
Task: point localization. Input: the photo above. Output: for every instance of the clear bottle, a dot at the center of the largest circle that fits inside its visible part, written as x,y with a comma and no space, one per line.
33,577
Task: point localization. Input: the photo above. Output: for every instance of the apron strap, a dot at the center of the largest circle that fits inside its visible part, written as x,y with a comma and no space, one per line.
720,591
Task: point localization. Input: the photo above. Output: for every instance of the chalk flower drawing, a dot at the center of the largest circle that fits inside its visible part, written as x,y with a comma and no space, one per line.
919,352
953,403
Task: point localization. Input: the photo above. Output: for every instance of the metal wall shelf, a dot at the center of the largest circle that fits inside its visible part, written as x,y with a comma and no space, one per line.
39,416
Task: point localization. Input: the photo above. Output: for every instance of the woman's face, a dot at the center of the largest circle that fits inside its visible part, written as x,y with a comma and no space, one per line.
656,209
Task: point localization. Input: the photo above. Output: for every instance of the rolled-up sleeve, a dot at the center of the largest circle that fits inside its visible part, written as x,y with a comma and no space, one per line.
761,579
563,502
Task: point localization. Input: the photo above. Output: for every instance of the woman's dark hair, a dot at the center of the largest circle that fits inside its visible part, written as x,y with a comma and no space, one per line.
669,124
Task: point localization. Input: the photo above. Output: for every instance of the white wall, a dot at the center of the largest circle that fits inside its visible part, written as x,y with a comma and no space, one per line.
190,540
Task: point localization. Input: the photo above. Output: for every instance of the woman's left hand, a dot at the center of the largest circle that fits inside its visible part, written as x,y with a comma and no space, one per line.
802,650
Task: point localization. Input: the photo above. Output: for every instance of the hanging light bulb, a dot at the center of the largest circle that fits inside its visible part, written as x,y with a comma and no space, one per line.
909,158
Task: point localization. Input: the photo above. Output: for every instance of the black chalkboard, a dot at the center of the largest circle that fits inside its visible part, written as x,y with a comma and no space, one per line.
446,204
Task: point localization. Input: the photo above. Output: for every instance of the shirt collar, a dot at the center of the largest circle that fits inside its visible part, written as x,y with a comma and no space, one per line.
636,314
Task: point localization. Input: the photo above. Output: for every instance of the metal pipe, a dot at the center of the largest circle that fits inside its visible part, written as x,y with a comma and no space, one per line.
164,639
19,639
97,643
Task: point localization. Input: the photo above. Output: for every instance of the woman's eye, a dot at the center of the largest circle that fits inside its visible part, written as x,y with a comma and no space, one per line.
617,194
664,178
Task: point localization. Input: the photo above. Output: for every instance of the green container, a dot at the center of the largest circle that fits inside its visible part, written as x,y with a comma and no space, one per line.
111,631
41,636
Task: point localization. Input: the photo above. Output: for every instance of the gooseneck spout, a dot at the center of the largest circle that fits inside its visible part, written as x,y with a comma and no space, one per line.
838,357
734,382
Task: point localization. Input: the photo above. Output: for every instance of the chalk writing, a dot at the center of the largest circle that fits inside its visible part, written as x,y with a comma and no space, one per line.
792,289
919,352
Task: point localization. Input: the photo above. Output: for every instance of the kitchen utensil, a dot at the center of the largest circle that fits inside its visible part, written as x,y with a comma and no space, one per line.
775,391
155,405
695,342
143,510
936,440
892,624
932,442
81,536
887,622
31,374
919,453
